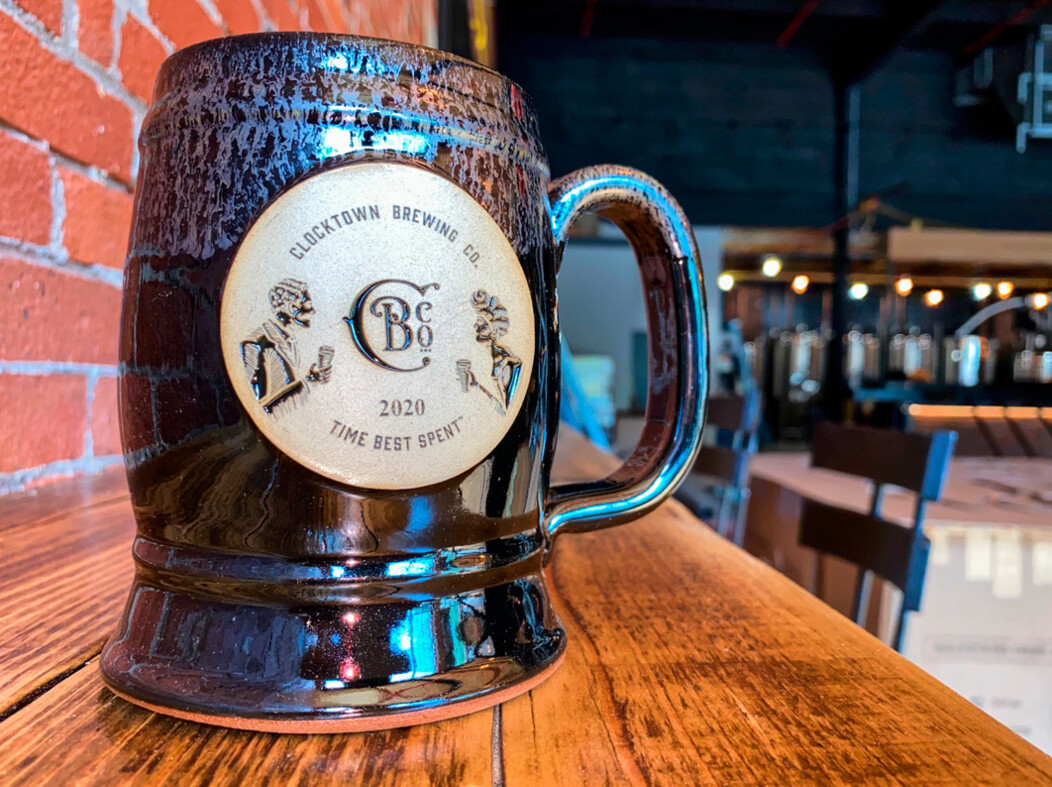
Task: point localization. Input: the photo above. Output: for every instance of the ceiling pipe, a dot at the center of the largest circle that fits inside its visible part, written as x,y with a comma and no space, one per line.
587,18
977,319
995,32
797,22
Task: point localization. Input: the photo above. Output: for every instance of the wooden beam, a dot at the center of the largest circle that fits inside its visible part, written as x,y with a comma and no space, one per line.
920,281
970,246
803,241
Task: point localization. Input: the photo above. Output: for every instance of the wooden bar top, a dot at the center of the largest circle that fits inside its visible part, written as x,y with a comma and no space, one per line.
688,662
987,490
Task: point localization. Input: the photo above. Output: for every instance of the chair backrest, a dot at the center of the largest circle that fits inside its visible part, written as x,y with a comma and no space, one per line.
734,420
734,413
895,553
722,465
917,462
725,465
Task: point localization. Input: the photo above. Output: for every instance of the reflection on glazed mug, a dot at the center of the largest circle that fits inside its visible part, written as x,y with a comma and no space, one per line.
340,385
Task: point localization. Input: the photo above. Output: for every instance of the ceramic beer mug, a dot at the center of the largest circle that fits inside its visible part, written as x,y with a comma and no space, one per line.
340,385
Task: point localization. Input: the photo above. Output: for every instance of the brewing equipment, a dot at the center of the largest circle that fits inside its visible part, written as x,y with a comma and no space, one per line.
957,364
912,356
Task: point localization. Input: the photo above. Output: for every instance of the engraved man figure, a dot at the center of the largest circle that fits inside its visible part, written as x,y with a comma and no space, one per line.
271,357
491,325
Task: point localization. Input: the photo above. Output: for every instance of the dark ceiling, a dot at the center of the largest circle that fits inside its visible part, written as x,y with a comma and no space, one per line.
827,28
731,102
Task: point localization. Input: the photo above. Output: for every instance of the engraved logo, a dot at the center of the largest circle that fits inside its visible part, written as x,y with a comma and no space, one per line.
431,323
492,323
390,323
271,355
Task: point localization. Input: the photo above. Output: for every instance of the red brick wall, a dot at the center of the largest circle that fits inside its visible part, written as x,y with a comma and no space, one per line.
75,77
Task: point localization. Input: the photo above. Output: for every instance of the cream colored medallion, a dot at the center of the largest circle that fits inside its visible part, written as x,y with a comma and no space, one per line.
378,328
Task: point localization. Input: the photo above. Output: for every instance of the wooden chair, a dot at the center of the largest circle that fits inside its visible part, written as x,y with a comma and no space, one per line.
716,490
914,461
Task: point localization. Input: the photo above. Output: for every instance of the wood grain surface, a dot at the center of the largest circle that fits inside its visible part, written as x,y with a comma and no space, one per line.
79,732
65,569
688,663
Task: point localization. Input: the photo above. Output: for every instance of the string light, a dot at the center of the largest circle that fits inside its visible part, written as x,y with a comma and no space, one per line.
904,285
1004,289
933,297
981,291
800,283
772,265
858,291
725,282
1039,300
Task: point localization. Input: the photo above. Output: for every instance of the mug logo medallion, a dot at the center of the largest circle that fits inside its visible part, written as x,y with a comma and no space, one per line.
377,326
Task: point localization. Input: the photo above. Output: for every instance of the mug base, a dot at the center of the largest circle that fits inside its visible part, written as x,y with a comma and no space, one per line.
368,723
334,667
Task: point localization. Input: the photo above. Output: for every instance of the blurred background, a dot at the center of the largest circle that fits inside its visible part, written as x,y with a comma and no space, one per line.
870,183
864,177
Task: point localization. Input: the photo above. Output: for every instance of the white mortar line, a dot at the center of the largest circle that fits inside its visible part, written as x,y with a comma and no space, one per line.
266,23
88,465
213,14
44,368
45,257
137,9
71,23
90,382
116,22
58,212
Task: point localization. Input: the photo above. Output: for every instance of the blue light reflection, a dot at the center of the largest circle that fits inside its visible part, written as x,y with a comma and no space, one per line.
413,636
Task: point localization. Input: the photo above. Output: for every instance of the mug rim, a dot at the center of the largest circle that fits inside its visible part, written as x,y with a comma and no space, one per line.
512,128
433,53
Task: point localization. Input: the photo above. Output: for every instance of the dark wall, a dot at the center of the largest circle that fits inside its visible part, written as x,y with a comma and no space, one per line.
742,134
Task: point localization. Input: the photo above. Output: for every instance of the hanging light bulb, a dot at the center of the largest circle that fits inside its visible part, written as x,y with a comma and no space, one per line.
933,297
904,285
772,266
981,291
800,283
1039,300
1004,289
725,282
858,291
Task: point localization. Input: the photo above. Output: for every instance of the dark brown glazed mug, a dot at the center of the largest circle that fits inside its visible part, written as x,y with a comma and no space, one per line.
340,385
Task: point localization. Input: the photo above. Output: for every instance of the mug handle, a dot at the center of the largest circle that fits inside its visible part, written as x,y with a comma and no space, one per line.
670,268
